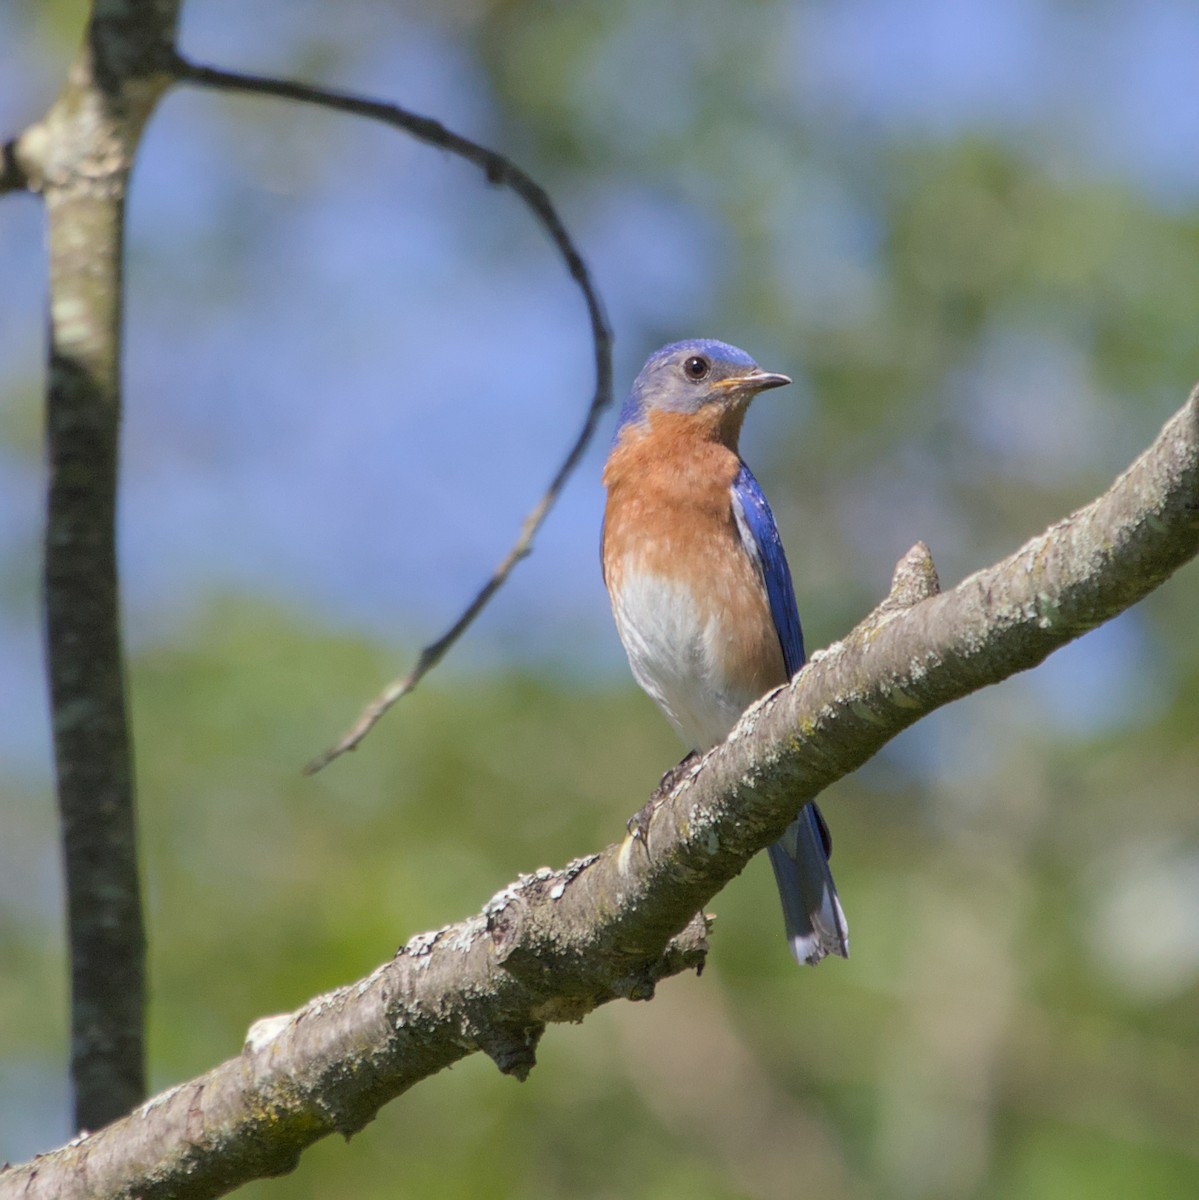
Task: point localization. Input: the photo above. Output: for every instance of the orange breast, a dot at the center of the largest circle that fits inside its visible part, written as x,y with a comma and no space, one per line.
669,517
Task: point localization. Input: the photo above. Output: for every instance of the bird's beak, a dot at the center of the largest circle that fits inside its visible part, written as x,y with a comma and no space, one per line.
756,380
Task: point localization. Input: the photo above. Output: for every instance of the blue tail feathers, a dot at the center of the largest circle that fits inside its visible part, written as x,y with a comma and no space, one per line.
811,909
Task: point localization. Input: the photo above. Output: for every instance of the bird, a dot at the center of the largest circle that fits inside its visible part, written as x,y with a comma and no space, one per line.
700,588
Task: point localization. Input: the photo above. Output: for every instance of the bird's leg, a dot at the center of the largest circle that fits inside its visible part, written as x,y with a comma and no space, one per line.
674,776
638,825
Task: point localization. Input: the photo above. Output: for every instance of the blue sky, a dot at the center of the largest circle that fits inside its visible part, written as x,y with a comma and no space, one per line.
349,377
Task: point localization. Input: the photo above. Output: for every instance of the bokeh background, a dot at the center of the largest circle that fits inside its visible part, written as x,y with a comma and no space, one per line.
970,232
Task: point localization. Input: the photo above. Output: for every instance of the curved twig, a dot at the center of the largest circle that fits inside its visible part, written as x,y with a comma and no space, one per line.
499,170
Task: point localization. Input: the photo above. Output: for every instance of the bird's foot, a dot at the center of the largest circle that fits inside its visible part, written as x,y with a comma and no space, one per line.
674,776
638,824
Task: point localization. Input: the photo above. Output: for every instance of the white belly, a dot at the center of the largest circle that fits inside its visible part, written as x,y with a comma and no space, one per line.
677,654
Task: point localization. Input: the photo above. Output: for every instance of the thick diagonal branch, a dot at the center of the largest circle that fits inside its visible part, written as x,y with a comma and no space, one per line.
556,944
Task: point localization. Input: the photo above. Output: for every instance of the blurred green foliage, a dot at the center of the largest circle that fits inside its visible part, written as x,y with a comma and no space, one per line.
987,337
975,1044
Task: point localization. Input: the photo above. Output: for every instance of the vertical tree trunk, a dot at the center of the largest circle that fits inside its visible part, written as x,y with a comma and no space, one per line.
81,156
91,735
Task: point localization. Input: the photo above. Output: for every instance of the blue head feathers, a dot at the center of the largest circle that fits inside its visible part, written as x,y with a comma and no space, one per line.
684,376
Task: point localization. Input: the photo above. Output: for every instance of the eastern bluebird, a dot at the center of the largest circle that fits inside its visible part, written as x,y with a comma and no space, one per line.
700,586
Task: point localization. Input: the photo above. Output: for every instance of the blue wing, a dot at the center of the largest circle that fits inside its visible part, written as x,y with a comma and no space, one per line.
811,908
757,521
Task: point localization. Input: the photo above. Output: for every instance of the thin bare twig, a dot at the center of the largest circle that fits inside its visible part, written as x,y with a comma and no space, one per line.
499,170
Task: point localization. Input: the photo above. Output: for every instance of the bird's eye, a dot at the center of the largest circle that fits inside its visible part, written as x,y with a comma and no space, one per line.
697,367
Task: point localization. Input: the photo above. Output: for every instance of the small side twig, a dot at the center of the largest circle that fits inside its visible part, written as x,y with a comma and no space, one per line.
499,170
12,171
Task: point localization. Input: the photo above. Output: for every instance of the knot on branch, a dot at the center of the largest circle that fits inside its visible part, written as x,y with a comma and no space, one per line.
686,951
264,1031
513,1048
915,579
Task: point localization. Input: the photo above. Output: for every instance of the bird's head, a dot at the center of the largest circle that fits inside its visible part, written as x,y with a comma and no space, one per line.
710,380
